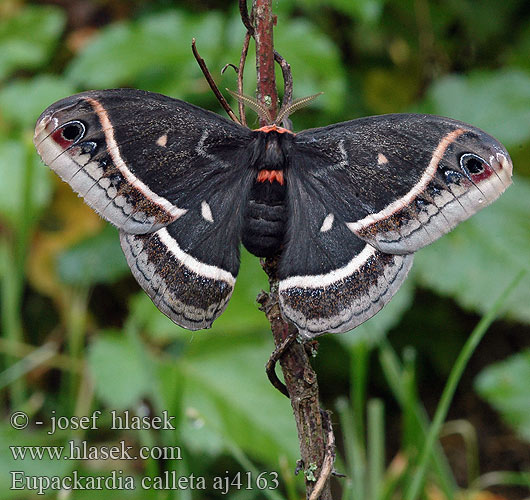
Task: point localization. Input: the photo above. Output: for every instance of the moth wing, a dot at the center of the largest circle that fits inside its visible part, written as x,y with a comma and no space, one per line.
189,268
330,279
171,176
363,196
401,181
136,156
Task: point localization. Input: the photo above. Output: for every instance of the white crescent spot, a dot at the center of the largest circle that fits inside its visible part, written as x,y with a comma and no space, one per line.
323,280
202,269
206,212
327,224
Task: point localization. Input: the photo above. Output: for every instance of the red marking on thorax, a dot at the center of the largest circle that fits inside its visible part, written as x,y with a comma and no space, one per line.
271,176
275,128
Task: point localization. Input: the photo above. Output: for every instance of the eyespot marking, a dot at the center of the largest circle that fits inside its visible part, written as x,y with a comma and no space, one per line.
69,133
475,167
472,163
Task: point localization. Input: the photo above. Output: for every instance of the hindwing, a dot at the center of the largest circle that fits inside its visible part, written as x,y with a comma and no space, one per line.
330,279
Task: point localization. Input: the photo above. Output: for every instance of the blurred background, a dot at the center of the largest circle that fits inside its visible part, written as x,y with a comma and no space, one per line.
78,335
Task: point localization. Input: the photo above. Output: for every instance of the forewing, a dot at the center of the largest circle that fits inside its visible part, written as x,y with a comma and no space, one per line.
401,181
330,280
136,156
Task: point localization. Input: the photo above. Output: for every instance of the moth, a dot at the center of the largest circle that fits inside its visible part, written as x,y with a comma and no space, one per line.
344,206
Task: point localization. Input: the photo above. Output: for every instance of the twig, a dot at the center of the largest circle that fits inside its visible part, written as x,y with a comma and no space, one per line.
243,10
300,378
271,364
212,84
302,386
329,458
242,59
229,65
287,79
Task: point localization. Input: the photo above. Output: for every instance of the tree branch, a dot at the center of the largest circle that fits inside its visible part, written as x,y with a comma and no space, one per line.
266,81
300,378
302,387
315,434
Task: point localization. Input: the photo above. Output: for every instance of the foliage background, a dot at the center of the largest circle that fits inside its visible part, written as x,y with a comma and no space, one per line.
78,335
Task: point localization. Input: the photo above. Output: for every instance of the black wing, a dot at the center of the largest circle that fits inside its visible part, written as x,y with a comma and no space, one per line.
331,280
171,176
363,196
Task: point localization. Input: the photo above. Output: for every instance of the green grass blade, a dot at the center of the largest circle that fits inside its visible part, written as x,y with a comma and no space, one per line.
396,378
410,402
17,370
376,447
238,454
359,354
454,377
504,478
355,456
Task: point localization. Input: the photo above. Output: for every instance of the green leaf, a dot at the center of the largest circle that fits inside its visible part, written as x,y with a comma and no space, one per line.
97,259
152,52
498,102
120,370
504,385
28,38
315,66
367,11
520,49
22,101
21,170
482,255
228,393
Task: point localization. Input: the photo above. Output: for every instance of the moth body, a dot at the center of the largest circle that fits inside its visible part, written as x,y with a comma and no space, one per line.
265,211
